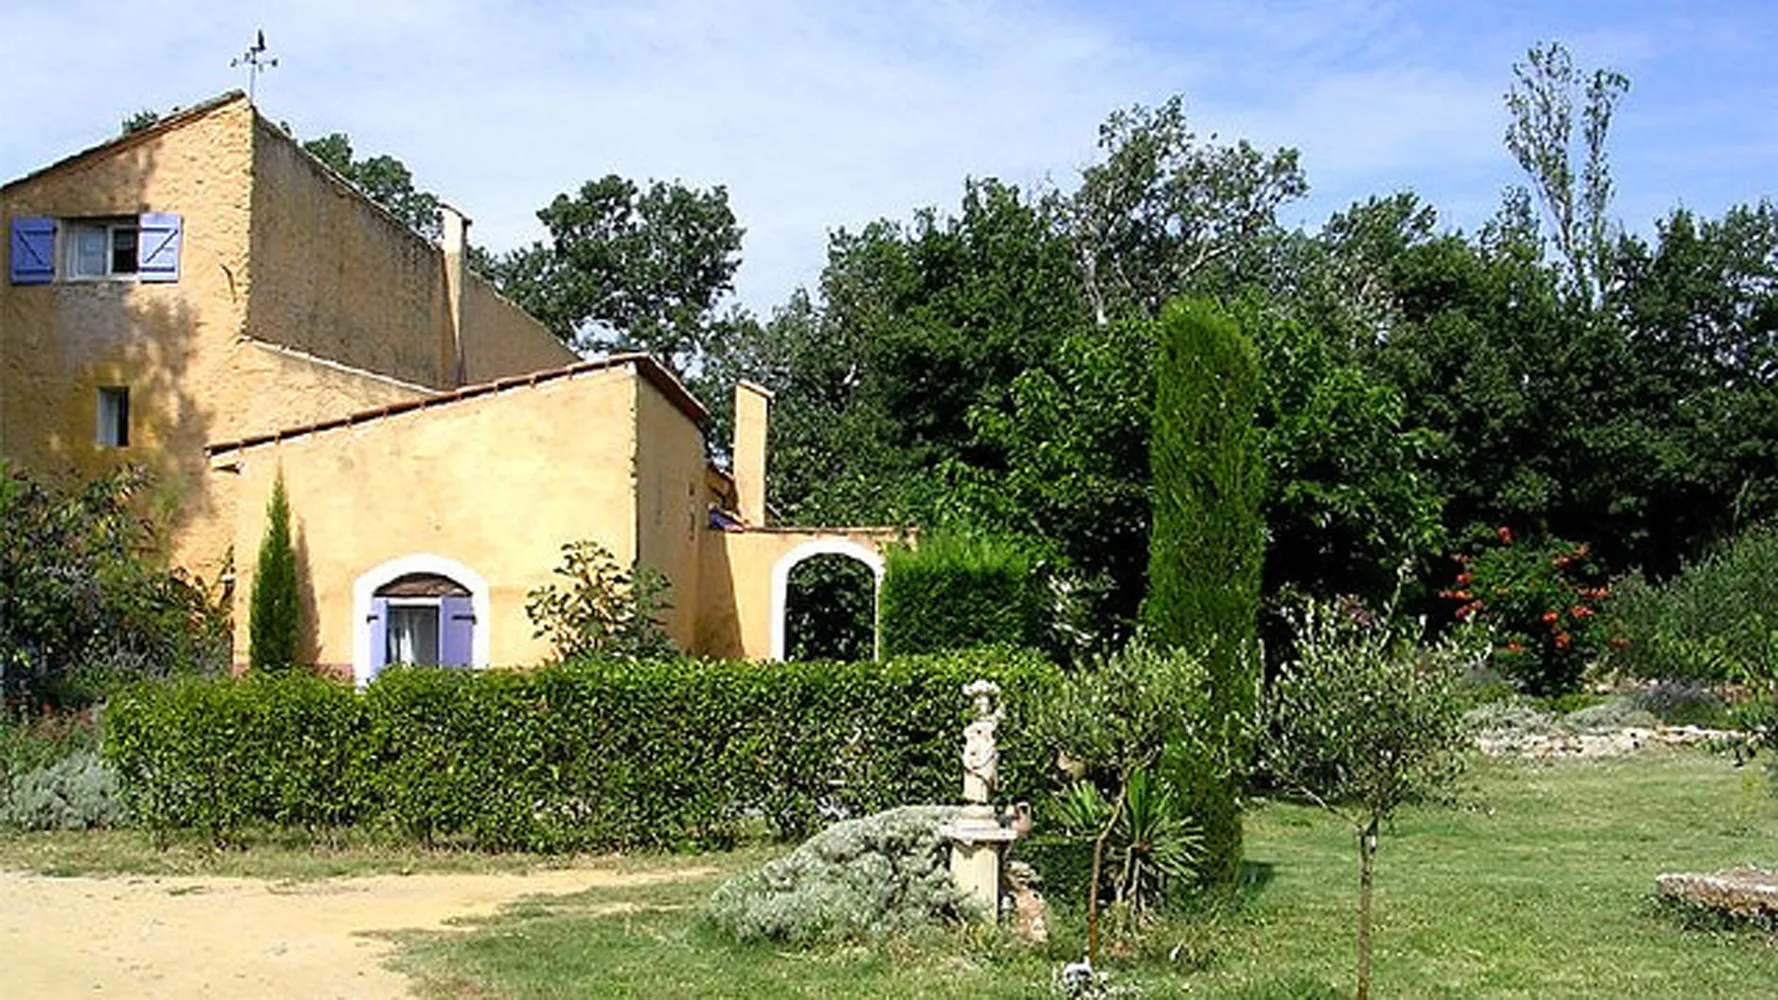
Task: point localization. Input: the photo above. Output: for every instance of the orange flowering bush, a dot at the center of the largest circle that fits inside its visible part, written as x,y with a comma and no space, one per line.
1541,600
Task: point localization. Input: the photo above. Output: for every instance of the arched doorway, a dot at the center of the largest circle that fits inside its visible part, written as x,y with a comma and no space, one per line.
824,553
419,609
830,610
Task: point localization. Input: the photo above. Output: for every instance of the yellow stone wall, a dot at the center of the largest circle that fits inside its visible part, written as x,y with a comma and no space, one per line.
737,608
275,251
492,482
501,340
339,277
170,344
672,505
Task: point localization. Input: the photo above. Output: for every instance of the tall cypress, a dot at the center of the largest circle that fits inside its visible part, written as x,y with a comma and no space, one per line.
1207,542
274,606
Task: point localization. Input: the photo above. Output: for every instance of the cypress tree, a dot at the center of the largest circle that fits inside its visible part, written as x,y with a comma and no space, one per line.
1207,544
274,606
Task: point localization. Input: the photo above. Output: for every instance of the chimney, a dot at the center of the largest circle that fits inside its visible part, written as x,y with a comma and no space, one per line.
752,405
456,260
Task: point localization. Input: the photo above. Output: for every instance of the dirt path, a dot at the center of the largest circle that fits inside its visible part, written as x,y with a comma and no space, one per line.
177,937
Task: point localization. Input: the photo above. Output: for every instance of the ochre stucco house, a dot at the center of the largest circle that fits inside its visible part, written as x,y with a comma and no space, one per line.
207,299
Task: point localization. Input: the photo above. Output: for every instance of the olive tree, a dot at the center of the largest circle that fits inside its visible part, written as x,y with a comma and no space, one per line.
1113,720
1361,720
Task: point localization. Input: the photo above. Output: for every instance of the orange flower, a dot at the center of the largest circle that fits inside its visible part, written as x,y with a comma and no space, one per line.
1505,533
1581,611
1619,643
1466,578
1550,617
1563,641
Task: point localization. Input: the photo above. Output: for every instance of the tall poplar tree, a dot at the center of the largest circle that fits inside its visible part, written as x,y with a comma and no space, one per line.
1207,544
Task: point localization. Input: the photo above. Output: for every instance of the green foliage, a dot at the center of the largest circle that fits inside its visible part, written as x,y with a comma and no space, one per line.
1154,846
1541,600
1362,715
84,596
859,879
1166,212
139,120
956,591
603,609
631,268
580,755
1207,546
1112,722
1715,621
212,755
830,611
76,792
274,608
384,179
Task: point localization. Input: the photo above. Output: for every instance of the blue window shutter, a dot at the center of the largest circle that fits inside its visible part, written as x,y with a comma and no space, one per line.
157,246
378,624
456,632
33,251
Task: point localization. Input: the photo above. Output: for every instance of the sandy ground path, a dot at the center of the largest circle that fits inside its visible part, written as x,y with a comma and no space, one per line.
153,937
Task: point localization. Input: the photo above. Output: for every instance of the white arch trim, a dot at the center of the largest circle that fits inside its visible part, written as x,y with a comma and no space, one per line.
808,550
365,590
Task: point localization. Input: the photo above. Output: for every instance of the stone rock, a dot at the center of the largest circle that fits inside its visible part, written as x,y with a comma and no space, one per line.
1749,894
1029,914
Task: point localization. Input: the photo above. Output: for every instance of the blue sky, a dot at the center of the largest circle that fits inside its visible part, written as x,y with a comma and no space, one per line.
822,115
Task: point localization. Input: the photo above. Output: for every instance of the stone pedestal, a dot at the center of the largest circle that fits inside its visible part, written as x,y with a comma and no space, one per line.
978,846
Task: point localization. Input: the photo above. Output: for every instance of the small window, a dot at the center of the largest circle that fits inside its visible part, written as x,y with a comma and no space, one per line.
413,631
114,417
102,249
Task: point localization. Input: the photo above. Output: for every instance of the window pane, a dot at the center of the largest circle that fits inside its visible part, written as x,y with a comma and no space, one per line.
114,416
123,250
88,255
413,634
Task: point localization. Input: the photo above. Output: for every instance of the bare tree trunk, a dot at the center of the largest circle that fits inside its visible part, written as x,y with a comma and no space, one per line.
1093,883
1367,859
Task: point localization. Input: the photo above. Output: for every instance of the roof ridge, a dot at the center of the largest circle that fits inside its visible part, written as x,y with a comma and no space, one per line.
173,120
647,367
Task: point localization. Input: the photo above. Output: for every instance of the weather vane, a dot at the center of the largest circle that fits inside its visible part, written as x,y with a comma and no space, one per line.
256,61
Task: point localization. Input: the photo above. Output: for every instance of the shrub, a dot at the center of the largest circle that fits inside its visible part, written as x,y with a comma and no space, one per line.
1615,713
589,754
1713,622
1542,600
76,792
603,609
215,754
274,606
81,585
857,879
1207,546
1114,721
960,591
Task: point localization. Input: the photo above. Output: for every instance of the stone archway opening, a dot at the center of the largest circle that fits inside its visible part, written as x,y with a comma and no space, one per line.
836,595
830,610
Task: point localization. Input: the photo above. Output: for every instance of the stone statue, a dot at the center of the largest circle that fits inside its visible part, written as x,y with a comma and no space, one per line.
981,758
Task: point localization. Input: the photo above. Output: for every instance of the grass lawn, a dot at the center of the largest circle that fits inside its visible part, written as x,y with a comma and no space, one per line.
1535,885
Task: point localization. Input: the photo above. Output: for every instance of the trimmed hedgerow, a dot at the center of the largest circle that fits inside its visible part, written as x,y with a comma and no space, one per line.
584,755
959,592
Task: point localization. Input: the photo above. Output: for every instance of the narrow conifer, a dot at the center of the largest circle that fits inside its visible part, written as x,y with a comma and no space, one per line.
274,607
1207,542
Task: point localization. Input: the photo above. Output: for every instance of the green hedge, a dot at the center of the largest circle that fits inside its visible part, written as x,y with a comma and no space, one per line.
957,592
590,755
